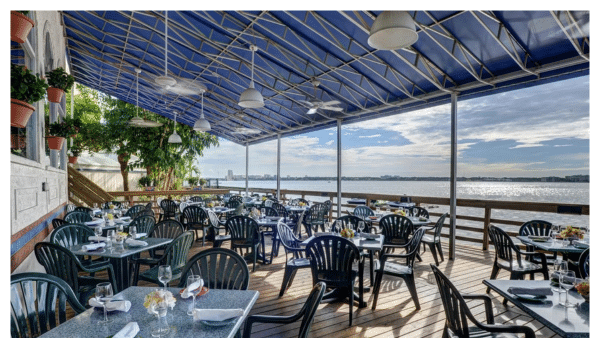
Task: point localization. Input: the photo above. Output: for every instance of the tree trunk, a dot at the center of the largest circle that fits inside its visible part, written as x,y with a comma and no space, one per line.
123,159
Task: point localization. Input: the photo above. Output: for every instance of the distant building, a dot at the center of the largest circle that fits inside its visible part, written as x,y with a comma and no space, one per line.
230,175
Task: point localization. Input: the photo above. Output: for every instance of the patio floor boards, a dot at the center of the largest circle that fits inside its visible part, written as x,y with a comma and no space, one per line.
395,315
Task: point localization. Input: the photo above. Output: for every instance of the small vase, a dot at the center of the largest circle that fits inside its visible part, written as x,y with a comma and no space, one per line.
20,26
55,142
54,94
72,159
20,112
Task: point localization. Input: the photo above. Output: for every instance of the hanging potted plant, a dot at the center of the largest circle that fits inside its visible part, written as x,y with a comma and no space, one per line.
58,131
20,26
25,89
146,183
60,82
74,152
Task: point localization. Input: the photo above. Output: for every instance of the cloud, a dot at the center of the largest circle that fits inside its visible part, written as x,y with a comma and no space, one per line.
370,136
329,142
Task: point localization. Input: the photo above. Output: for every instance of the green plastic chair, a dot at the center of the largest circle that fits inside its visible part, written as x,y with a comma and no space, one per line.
175,255
39,303
220,268
79,217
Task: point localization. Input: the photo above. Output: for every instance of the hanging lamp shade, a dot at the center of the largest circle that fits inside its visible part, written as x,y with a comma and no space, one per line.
175,138
251,98
202,124
393,30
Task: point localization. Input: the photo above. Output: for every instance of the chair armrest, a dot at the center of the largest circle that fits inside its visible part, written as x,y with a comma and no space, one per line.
395,246
534,254
487,300
268,319
529,333
146,261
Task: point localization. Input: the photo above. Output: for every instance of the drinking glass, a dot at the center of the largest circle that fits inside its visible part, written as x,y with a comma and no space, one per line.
567,282
104,293
559,266
111,237
133,232
378,209
327,226
361,227
98,231
262,212
191,280
336,226
164,275
161,328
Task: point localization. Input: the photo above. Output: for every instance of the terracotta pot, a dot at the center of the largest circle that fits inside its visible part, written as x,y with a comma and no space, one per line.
55,94
55,142
20,112
20,25
17,141
149,188
73,159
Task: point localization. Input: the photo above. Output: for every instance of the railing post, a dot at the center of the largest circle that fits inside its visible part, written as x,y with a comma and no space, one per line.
486,226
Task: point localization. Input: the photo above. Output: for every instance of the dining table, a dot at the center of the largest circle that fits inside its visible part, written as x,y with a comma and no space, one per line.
367,242
120,258
269,222
85,324
570,252
568,322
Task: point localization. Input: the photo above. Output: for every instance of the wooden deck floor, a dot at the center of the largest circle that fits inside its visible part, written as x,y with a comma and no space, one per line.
395,315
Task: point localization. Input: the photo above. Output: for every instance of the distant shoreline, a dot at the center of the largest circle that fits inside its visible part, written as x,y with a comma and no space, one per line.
571,179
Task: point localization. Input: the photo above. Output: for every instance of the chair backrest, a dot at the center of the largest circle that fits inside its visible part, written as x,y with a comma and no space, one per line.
536,228
169,207
243,228
79,217
316,214
351,221
363,211
58,261
38,301
57,222
149,205
213,219
269,203
281,211
146,212
288,240
502,243
143,224
310,308
168,228
413,246
220,268
135,210
71,234
437,228
331,256
270,211
194,215
182,206
176,252
396,229
83,209
196,199
419,212
70,207
328,204
584,263
455,307
237,198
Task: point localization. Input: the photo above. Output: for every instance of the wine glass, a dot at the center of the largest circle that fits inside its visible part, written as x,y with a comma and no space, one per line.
361,227
191,280
327,226
337,227
133,232
161,330
104,293
378,209
164,275
567,282
98,231
559,266
111,237
262,212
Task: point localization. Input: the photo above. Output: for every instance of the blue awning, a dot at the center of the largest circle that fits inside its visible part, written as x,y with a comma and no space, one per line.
473,53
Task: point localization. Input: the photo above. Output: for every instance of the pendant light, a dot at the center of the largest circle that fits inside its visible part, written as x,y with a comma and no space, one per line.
393,30
166,81
175,138
202,124
251,98
137,121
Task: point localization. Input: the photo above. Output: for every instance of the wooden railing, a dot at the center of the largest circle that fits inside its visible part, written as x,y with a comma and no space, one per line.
83,191
487,205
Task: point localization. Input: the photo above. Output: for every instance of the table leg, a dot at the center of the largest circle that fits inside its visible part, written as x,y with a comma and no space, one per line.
123,273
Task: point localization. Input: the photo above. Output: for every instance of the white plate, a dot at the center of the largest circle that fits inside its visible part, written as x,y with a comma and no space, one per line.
581,244
96,222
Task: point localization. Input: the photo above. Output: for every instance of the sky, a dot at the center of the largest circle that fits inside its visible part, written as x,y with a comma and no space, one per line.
534,132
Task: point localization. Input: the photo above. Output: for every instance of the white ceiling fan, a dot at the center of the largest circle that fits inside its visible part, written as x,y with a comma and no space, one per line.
314,104
179,86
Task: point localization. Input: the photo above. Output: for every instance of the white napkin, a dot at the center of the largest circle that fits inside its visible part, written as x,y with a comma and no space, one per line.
129,331
125,218
96,222
96,210
187,292
217,315
133,242
119,305
140,235
93,246
97,239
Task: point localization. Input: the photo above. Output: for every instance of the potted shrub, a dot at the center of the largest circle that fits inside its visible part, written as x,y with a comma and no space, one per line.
60,82
74,152
58,131
20,26
146,183
193,181
25,89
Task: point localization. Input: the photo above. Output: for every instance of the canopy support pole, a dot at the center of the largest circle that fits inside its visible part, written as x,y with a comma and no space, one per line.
246,169
339,168
453,155
278,167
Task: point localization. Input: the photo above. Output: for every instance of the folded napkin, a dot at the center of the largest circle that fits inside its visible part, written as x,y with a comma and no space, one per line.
93,246
530,291
187,292
129,331
96,222
125,218
133,242
96,210
118,305
97,239
423,219
217,315
140,235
